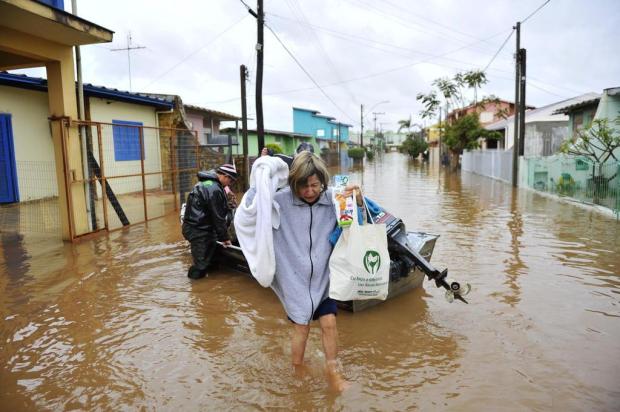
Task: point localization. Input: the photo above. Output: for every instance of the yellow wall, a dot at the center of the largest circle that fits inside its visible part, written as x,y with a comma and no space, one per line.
103,110
34,148
432,133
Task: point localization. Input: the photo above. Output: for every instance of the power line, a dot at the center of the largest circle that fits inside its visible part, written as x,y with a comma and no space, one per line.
498,50
188,56
426,18
367,42
400,20
368,76
535,11
322,50
307,74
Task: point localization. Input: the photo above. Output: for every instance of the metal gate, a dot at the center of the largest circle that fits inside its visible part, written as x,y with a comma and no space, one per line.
131,173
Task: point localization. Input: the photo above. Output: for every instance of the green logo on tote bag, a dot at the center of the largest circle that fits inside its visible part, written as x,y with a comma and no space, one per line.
372,261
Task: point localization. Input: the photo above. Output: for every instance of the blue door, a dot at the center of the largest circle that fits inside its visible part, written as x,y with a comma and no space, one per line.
9,193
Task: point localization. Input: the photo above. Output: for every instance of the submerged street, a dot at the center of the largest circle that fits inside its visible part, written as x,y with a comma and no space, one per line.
114,323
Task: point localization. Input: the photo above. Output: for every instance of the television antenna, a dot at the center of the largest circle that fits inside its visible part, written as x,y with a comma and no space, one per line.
129,48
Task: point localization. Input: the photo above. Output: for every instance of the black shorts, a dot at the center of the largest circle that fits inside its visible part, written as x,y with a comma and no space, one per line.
327,307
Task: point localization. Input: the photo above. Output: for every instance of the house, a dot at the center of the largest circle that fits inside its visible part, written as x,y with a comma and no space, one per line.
432,135
329,132
489,111
545,127
288,141
24,105
581,114
206,123
33,34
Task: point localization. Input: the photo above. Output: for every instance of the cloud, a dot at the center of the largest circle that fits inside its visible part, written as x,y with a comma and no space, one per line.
359,51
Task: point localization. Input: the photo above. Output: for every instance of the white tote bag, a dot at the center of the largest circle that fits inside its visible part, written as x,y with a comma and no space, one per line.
360,263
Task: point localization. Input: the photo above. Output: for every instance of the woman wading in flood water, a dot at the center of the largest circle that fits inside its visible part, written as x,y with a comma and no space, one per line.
302,250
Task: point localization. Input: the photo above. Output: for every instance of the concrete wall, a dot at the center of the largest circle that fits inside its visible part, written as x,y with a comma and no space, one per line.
105,111
544,138
32,138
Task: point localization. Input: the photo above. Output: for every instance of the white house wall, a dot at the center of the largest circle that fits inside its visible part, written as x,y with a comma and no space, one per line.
105,111
34,148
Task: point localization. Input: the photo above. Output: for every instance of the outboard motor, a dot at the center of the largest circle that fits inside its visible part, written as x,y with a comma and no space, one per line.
404,257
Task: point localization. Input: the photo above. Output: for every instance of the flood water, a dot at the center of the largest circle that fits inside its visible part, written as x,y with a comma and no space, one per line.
114,323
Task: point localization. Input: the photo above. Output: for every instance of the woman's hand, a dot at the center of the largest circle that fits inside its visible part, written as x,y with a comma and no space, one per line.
358,193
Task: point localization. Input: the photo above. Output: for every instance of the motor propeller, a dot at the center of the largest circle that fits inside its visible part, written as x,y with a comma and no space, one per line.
454,290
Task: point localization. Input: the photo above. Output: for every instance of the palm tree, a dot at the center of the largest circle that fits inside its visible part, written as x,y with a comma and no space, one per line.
404,124
474,79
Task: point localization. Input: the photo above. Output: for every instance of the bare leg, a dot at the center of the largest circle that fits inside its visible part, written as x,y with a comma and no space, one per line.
329,334
298,343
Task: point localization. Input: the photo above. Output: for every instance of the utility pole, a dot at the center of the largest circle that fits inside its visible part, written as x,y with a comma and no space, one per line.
440,127
260,50
362,126
375,114
515,145
522,104
129,48
244,126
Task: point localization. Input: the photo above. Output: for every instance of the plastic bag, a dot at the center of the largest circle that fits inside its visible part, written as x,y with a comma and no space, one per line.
360,263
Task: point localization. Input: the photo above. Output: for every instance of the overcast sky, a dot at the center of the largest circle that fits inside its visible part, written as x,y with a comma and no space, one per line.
358,51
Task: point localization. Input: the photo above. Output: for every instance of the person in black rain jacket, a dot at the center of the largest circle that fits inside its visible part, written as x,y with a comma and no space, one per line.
205,219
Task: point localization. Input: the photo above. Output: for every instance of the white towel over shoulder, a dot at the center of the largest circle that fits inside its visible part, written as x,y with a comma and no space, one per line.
257,214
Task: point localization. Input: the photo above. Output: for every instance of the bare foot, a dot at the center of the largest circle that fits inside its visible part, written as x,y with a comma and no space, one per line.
334,378
300,371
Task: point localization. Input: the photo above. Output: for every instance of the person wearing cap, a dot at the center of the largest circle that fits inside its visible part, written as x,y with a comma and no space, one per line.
205,220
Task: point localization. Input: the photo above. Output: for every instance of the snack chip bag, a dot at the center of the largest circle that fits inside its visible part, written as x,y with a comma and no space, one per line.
344,205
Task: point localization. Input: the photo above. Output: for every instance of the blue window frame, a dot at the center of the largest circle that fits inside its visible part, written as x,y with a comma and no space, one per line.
126,140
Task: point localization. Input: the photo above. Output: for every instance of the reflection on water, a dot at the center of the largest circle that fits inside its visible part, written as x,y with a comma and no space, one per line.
113,323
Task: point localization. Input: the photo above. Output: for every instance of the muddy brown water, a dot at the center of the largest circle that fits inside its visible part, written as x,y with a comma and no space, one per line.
114,324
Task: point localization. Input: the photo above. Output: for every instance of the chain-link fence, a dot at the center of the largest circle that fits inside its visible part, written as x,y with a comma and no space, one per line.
115,174
134,173
577,178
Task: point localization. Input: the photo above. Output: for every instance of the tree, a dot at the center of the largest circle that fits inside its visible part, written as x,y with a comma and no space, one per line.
597,143
404,124
473,79
452,91
463,134
413,146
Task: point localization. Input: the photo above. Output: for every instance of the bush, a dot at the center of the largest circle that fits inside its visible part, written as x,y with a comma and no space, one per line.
274,147
356,153
370,154
413,146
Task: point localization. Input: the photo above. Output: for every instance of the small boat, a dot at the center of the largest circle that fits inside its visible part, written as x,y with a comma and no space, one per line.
410,254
